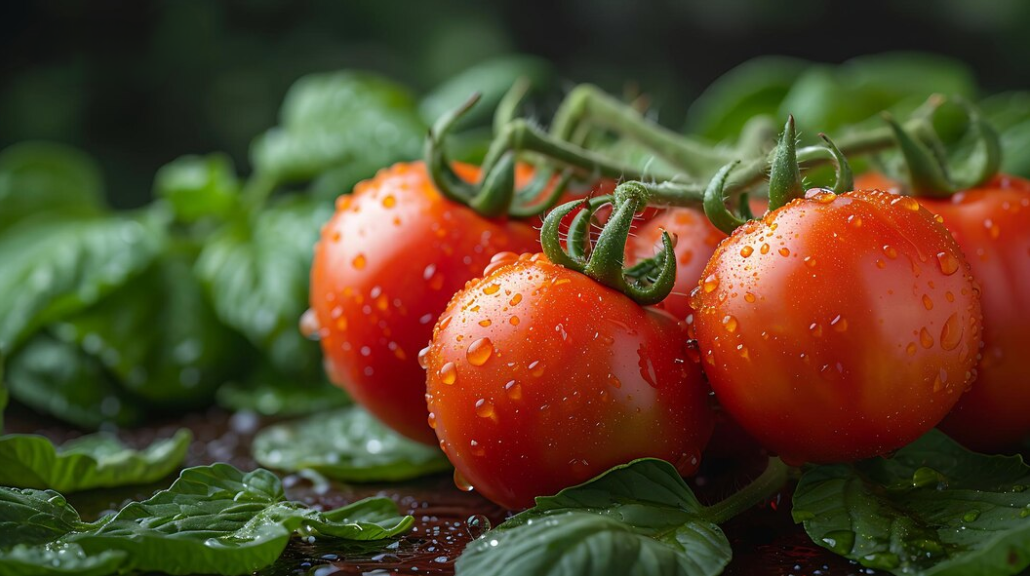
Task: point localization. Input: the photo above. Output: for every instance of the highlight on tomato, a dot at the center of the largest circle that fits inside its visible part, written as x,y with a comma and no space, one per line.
549,370
839,326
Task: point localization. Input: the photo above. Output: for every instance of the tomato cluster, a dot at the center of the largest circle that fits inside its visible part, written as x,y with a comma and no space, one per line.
836,327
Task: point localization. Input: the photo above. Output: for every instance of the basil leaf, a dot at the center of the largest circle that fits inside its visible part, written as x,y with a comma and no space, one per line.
219,520
46,177
51,267
1009,113
934,508
199,186
754,88
348,445
257,280
60,379
491,79
177,366
95,461
58,560
636,519
212,520
336,119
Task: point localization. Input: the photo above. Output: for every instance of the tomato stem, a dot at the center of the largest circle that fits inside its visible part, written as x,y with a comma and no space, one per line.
768,483
784,172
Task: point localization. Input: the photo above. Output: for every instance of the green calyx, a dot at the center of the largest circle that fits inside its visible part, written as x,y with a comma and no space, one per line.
648,282
928,168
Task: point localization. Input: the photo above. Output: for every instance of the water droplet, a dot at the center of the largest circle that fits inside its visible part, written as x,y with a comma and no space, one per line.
816,329
687,463
461,483
513,390
948,263
951,332
359,262
423,357
747,251
764,249
730,323
911,349
514,320
925,339
906,202
536,368
432,420
927,302
855,221
889,251
485,409
710,283
784,252
515,300
925,477
485,322
992,229
839,324
971,516
614,381
309,325
810,261
840,541
821,196
477,525
491,289
479,351
448,373
389,201
476,448
749,297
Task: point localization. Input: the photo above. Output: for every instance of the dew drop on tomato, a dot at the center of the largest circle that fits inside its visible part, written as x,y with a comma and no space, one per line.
927,302
948,263
310,328
477,525
479,351
710,283
906,202
359,262
925,338
461,483
513,390
951,332
730,323
423,358
448,373
477,448
432,420
536,368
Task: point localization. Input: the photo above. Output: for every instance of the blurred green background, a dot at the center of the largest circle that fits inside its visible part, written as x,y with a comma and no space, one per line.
139,82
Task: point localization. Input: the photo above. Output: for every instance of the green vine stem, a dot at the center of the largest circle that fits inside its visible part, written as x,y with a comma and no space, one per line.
768,483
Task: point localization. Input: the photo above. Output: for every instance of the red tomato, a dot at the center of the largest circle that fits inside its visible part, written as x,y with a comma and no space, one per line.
540,378
992,226
839,327
387,263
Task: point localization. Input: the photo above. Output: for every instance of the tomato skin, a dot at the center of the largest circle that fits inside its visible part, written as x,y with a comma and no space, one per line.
839,327
992,226
577,378
385,267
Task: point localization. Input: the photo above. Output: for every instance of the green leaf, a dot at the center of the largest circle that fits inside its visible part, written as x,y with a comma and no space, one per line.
199,186
348,445
54,266
218,520
58,560
47,177
934,508
1009,113
273,394
491,79
159,335
756,87
826,98
95,461
3,395
258,280
637,519
212,520
337,119
60,379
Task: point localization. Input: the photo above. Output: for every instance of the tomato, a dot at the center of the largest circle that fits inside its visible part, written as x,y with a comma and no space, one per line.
386,265
992,226
540,378
696,240
838,327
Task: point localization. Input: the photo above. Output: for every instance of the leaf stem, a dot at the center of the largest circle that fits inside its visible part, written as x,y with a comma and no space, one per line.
765,485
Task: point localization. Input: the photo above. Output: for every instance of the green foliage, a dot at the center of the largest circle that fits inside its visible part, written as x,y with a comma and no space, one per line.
94,461
37,176
934,508
199,186
637,519
348,445
212,520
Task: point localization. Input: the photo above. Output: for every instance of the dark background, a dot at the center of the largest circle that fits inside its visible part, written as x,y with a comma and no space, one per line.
139,82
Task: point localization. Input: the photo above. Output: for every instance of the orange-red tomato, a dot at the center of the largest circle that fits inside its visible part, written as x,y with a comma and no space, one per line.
839,327
386,265
992,226
540,378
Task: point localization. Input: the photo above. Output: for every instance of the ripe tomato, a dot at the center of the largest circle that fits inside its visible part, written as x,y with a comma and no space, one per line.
992,226
386,265
839,327
540,378
696,240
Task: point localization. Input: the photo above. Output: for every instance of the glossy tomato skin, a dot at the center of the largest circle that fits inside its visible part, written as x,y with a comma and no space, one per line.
992,226
385,267
839,327
540,378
